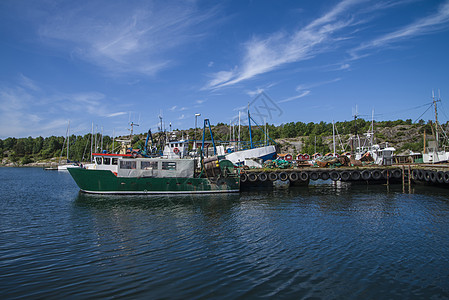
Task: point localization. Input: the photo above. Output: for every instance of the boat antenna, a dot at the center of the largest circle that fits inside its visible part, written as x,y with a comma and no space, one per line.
132,129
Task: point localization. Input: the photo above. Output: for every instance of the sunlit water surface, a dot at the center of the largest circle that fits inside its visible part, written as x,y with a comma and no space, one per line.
322,241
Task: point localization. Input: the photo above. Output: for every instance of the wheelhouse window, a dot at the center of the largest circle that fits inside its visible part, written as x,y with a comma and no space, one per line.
106,160
115,160
168,165
98,160
127,164
148,165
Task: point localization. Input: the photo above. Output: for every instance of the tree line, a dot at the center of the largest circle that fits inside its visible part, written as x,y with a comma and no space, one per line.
26,150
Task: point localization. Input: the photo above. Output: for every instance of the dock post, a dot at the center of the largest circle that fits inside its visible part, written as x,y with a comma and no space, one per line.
403,179
409,180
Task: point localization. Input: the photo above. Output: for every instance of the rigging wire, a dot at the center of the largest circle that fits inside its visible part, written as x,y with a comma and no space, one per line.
404,110
430,106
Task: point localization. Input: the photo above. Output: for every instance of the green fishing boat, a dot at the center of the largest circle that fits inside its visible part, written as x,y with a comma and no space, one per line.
124,174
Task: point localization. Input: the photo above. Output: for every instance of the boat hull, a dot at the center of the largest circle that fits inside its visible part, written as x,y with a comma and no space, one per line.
106,182
264,153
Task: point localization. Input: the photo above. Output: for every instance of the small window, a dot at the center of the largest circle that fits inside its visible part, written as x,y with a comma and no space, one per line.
168,165
115,160
124,164
98,160
106,160
148,165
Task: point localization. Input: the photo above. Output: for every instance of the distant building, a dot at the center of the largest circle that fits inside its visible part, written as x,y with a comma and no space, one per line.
285,156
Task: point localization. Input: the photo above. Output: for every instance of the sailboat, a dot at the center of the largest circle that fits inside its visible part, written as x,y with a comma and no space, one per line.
64,167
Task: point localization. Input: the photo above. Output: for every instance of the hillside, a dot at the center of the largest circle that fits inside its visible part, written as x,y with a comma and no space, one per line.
404,138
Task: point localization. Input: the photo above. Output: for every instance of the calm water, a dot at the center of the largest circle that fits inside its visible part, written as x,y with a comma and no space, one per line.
319,242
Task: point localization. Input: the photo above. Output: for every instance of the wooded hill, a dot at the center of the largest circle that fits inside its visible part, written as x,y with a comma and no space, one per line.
291,137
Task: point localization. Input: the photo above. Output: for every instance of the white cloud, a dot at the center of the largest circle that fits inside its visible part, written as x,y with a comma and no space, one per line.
308,86
338,27
303,94
23,112
429,24
125,37
116,114
267,54
28,83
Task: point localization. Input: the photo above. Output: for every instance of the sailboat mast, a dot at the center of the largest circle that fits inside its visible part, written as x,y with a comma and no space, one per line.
238,143
333,137
91,142
113,140
68,140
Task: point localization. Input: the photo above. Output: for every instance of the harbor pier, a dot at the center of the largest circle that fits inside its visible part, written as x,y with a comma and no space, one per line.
397,174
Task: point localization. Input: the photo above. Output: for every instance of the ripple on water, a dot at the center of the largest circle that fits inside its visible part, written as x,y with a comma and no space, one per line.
325,241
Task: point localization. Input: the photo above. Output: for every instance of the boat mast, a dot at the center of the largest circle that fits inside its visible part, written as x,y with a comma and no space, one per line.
249,126
436,120
113,140
238,143
266,133
333,137
91,142
68,140
372,127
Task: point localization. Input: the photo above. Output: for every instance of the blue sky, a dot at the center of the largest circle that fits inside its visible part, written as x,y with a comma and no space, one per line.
113,62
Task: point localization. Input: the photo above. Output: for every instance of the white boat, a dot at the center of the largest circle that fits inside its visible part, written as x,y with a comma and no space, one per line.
67,166
243,156
435,157
249,156
433,153
382,156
